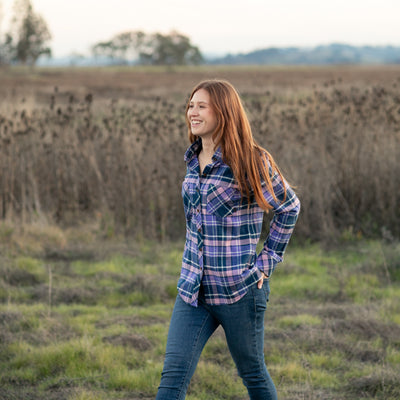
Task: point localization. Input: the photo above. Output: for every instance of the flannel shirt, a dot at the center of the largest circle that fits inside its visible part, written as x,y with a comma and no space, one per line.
223,229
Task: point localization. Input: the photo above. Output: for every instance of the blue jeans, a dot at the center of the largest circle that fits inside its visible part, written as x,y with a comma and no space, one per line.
191,327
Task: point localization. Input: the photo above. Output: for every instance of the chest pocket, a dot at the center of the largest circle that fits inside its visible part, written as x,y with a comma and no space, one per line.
223,200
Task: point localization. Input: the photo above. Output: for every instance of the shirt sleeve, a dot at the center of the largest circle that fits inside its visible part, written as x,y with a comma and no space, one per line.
281,227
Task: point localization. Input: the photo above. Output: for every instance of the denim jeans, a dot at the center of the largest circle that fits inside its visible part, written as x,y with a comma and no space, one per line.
191,327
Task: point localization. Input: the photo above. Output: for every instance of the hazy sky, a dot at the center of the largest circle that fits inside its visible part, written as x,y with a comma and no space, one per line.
221,26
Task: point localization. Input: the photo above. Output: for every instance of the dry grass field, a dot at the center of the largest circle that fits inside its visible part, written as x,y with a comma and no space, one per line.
107,145
91,230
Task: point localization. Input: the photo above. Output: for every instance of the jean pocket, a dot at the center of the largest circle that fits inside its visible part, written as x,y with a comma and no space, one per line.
260,298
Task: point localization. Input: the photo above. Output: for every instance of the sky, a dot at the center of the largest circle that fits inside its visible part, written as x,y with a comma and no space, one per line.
219,27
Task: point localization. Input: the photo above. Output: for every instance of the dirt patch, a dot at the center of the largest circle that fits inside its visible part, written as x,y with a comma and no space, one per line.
138,342
133,321
142,283
332,312
69,255
76,295
89,252
35,394
20,277
385,385
9,317
152,287
367,355
15,327
9,324
313,339
309,393
365,328
73,295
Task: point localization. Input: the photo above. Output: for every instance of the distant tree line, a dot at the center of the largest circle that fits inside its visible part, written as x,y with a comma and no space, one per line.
148,49
29,37
335,53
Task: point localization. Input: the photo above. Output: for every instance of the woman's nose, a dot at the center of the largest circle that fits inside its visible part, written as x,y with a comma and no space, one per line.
193,111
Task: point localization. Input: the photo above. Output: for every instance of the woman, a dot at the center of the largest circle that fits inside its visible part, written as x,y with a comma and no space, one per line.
230,182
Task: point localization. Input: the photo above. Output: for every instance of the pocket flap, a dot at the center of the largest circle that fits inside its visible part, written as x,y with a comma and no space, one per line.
221,200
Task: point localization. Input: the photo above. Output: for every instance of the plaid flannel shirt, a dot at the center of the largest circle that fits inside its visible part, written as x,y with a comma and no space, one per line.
223,229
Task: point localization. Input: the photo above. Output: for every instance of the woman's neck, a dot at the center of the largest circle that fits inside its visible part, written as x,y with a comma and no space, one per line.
208,147
206,153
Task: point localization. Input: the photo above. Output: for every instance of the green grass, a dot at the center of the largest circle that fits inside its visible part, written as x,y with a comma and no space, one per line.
96,327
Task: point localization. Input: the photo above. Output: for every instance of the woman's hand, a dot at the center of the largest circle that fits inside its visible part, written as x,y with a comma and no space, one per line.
261,281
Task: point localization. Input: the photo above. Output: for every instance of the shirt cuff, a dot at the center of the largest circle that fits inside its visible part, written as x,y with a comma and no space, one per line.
266,262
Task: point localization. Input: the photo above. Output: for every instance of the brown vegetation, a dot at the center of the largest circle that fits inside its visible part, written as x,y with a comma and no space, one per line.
108,145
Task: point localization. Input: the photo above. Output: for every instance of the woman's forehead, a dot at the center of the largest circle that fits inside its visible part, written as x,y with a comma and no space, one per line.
200,96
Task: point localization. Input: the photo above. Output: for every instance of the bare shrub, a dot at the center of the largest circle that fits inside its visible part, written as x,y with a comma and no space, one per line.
87,156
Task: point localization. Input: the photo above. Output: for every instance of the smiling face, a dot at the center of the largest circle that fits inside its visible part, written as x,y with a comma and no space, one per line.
202,118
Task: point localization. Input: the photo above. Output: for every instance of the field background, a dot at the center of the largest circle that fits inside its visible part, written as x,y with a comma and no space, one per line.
91,230
72,141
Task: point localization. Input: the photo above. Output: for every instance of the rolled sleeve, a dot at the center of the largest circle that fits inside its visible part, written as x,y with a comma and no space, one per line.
286,211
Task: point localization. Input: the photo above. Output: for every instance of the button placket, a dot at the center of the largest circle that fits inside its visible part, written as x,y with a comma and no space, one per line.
199,221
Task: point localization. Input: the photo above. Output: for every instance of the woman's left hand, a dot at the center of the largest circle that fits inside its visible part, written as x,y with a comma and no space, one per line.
261,281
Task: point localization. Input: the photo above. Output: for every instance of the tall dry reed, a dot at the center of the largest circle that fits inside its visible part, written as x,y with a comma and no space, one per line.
120,161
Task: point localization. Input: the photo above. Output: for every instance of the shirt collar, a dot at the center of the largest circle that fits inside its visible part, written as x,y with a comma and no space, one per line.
218,154
193,150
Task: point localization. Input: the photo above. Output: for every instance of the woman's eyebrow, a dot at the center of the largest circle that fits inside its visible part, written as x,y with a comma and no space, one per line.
201,101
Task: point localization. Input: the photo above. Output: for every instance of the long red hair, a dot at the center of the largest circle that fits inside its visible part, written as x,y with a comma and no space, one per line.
250,163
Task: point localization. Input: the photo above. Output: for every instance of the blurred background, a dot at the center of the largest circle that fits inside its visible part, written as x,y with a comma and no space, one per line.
92,138
320,83
226,32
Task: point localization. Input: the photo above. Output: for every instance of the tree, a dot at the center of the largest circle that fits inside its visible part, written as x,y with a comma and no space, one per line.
174,49
30,35
2,44
1,14
6,51
122,48
152,49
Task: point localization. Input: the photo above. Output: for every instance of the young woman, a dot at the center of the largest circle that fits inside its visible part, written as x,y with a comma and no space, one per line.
230,182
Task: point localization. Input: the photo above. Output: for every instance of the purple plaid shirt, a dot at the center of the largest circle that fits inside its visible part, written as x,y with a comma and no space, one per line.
223,229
